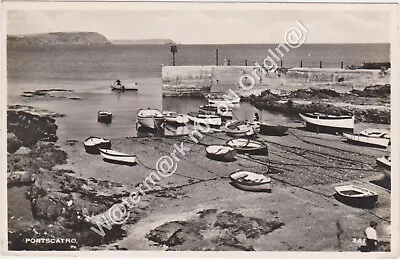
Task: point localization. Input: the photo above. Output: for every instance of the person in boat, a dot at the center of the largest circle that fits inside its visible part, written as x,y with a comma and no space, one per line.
256,116
118,82
371,240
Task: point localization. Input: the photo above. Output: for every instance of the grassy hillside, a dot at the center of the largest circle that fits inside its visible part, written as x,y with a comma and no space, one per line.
57,38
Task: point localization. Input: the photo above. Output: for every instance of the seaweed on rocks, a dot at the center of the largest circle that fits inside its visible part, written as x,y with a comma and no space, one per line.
214,230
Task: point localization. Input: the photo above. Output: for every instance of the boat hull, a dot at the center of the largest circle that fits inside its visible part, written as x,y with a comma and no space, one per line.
364,140
119,159
92,148
356,197
384,166
265,186
255,148
329,125
125,88
223,156
271,130
211,121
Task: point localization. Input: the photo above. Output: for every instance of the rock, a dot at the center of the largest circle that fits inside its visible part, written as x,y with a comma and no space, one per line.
13,143
23,151
19,178
30,127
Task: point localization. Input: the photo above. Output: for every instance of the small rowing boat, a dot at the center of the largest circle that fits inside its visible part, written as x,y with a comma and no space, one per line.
223,111
239,129
250,181
232,99
220,102
175,118
117,157
356,196
320,122
104,116
272,130
220,152
150,118
207,119
93,144
373,137
248,146
384,165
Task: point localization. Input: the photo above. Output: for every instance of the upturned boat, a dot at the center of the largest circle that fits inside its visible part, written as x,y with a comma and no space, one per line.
117,157
320,122
239,129
208,119
356,196
150,118
232,99
250,181
272,130
175,118
93,144
373,137
220,152
248,146
384,165
104,116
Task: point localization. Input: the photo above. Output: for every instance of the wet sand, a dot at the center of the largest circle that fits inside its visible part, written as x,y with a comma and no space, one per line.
304,166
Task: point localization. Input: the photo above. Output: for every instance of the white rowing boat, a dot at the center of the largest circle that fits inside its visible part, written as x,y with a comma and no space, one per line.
240,129
248,146
150,118
207,119
250,181
328,123
175,118
220,152
374,137
117,157
356,196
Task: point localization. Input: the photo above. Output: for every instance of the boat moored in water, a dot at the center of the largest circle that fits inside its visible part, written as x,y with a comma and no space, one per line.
373,137
208,119
250,181
93,144
248,146
150,118
104,116
384,165
356,196
223,111
221,152
220,102
117,157
320,122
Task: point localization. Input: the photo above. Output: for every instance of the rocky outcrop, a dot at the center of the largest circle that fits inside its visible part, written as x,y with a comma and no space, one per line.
213,230
370,105
13,143
30,126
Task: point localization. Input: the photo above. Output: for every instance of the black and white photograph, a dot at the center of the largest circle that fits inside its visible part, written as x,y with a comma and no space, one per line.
252,127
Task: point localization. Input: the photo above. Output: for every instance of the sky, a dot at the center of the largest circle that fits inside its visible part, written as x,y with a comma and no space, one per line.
209,26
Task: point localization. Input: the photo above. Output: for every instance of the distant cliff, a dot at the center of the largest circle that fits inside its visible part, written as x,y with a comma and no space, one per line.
58,38
144,42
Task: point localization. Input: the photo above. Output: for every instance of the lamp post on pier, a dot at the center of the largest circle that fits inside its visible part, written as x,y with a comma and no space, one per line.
174,49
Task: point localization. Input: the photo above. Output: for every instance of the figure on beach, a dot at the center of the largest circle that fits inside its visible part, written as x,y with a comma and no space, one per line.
371,241
256,117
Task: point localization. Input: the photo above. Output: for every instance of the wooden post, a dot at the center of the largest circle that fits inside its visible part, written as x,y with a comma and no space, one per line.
341,65
320,64
245,62
216,57
281,63
301,63
173,58
174,49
